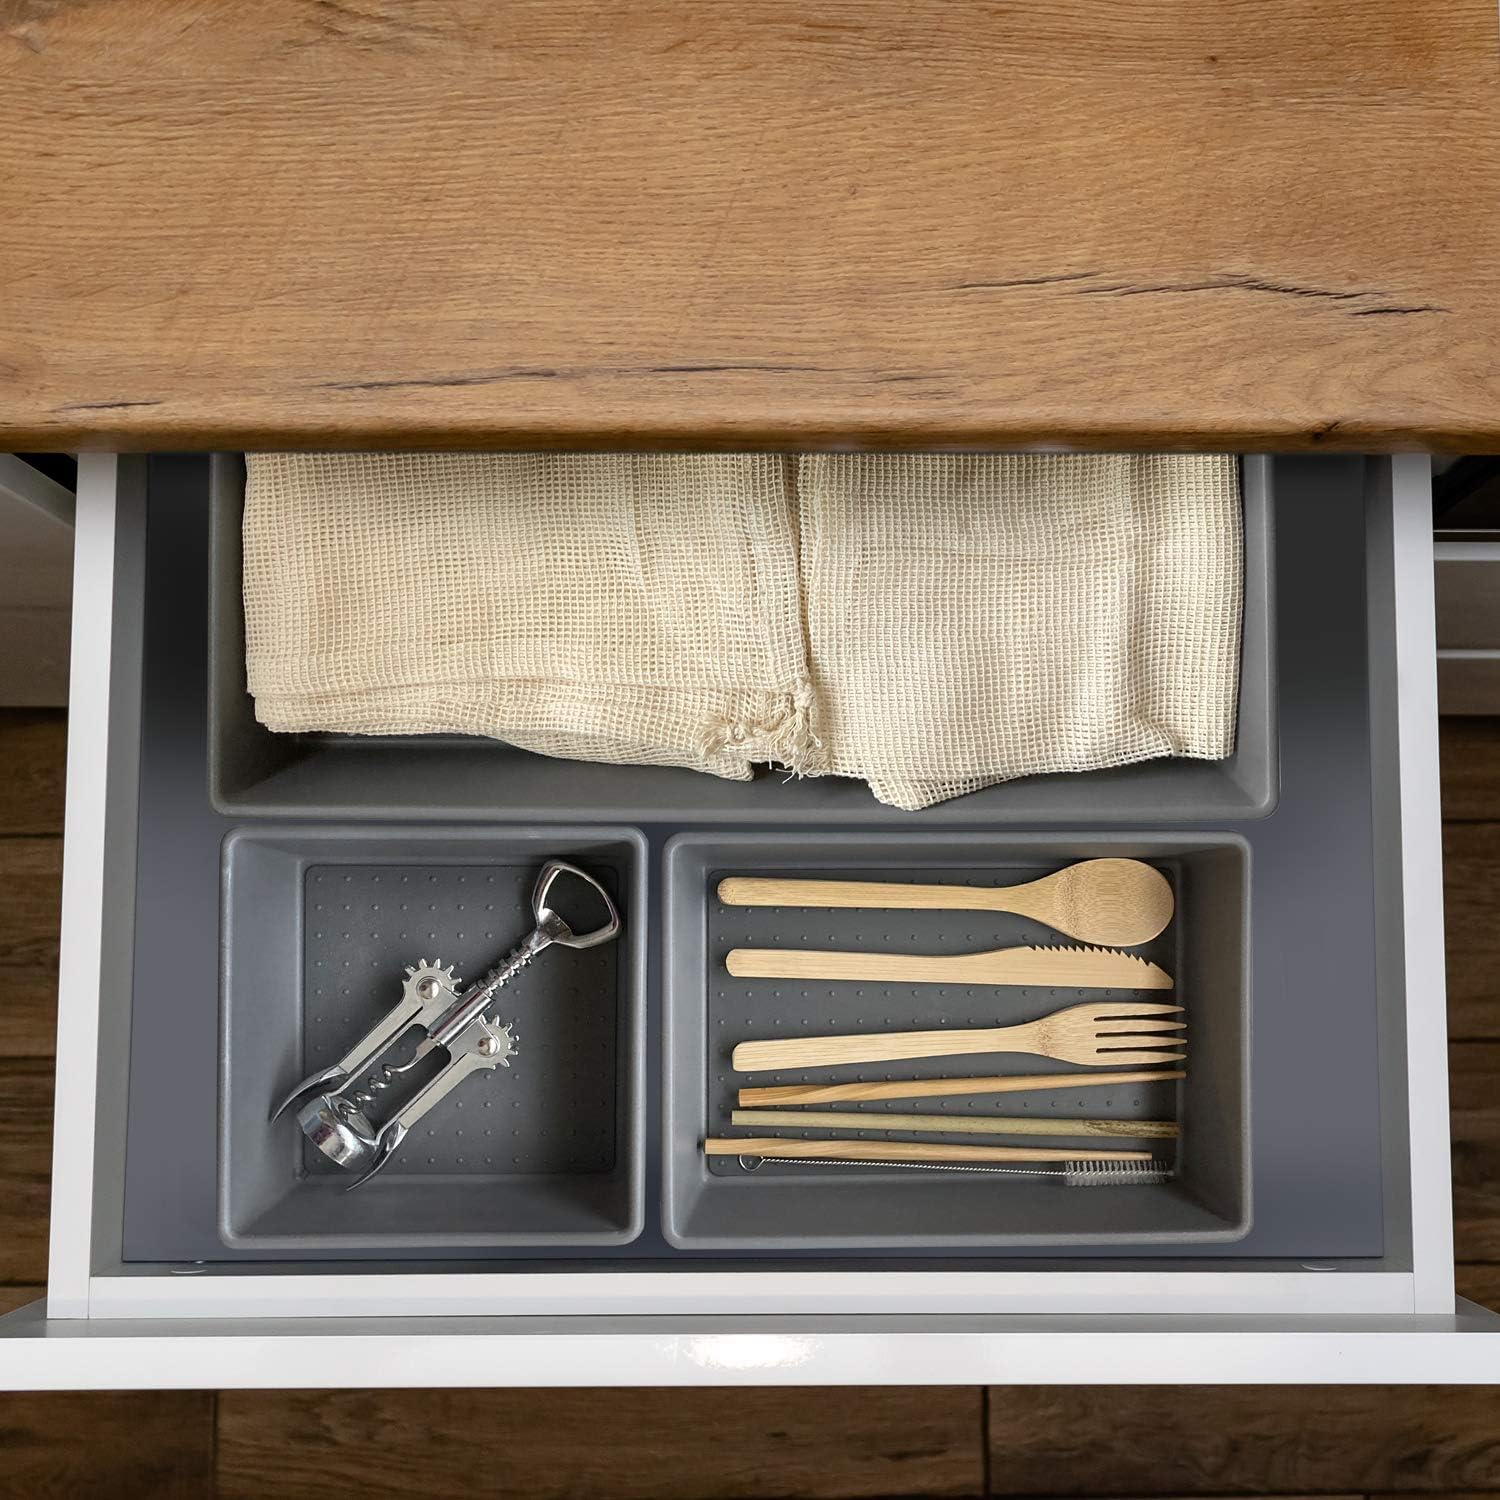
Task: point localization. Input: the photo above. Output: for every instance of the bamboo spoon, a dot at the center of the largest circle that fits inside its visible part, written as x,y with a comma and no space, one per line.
858,1119
934,1088
1102,1033
1115,901
1071,968
774,1147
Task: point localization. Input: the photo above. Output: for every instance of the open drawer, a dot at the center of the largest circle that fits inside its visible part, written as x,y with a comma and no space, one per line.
1343,1272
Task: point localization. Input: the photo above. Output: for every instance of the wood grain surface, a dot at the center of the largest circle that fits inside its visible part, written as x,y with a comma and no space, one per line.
25,1168
33,753
1163,1440
609,1445
1471,877
1474,1088
1471,874
1470,751
648,223
30,901
123,1445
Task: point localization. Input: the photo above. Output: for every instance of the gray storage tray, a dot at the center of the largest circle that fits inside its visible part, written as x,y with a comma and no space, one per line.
256,773
319,926
1327,1017
786,1205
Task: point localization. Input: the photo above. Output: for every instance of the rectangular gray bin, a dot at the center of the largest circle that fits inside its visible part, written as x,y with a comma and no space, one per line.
1331,1179
318,928
253,772
791,1206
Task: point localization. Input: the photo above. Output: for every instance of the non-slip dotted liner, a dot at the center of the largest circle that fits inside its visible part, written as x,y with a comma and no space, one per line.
319,928
709,1011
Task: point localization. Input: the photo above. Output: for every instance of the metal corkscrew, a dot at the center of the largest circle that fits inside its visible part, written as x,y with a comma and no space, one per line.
348,1120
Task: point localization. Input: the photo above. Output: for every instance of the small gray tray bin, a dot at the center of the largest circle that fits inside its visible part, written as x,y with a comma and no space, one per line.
318,927
253,772
789,1206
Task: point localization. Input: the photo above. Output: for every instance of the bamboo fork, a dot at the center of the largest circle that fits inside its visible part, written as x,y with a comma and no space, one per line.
935,1088
1118,1031
855,1119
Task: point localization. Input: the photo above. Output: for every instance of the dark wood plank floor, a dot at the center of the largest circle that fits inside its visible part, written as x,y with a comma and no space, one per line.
713,1445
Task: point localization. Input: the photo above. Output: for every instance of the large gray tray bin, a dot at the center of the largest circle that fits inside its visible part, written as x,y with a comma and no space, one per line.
318,926
789,1206
254,772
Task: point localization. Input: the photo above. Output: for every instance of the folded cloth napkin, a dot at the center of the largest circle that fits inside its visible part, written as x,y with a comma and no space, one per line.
933,624
971,619
610,607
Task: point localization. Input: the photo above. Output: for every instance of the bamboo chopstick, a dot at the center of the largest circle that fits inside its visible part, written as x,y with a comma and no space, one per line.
773,1147
932,1088
839,1119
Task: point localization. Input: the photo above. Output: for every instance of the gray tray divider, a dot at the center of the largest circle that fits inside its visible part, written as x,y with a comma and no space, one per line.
786,1205
254,773
320,924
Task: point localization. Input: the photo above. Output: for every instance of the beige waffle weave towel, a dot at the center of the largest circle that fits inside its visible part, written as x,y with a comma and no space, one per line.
933,624
612,607
972,619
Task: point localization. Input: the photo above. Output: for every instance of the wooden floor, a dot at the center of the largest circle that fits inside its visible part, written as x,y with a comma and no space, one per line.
659,1445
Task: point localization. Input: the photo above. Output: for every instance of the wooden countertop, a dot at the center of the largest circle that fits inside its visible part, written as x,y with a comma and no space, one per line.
1158,223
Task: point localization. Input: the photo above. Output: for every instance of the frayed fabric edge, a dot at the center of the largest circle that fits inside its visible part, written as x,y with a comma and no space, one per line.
776,731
